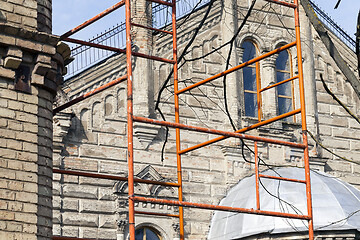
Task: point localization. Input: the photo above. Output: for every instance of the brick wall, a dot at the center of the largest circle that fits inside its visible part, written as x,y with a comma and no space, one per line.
29,77
27,14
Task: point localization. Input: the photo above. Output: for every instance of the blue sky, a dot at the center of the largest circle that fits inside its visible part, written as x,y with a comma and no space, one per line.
70,13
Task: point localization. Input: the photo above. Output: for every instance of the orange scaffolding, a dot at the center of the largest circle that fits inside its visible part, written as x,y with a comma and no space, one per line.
223,134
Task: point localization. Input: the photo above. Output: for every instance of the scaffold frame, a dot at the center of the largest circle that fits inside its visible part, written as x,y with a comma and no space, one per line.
132,198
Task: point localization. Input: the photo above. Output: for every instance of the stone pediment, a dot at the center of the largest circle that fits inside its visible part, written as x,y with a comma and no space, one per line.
147,173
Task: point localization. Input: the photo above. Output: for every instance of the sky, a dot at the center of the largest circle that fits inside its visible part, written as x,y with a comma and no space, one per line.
69,13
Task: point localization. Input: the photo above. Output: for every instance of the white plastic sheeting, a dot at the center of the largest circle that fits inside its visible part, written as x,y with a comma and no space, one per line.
335,205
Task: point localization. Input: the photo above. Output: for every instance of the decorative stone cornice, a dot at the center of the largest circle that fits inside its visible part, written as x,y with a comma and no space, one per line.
48,64
7,29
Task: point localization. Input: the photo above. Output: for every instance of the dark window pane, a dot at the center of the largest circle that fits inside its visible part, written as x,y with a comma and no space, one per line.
150,235
249,78
285,106
139,234
250,104
282,61
285,88
281,76
249,51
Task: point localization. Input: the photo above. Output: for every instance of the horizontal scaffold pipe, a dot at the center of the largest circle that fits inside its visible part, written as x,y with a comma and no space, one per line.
218,132
283,3
89,94
219,208
254,60
92,20
118,50
282,178
112,177
157,214
263,123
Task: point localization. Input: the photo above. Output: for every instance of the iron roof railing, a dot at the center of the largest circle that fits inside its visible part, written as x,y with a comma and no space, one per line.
85,57
334,27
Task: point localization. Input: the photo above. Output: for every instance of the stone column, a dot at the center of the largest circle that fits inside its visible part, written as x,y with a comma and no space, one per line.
30,72
229,25
309,81
143,82
268,77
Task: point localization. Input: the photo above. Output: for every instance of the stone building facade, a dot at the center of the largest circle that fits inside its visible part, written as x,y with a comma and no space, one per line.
91,136
31,69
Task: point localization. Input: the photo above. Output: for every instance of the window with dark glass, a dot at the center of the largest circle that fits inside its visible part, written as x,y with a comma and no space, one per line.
250,75
147,233
285,96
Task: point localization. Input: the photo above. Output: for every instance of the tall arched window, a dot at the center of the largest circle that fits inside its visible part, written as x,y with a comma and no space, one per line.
285,95
147,233
250,76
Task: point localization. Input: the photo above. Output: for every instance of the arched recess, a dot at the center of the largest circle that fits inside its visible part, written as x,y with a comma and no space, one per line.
84,120
96,115
109,105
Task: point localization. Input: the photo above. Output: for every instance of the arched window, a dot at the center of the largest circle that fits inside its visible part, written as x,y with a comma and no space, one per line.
285,92
147,233
251,75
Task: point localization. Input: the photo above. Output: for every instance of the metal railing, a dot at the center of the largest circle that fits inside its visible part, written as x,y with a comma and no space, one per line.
85,56
333,27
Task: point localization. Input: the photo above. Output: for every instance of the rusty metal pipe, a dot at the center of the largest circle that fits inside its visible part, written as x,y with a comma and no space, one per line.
177,120
89,94
279,83
112,177
130,127
303,120
92,20
282,178
218,132
157,214
118,50
240,131
257,180
254,60
220,208
286,4
162,2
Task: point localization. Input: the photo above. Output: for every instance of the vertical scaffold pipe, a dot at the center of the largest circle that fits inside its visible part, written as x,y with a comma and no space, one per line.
177,120
130,153
303,119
